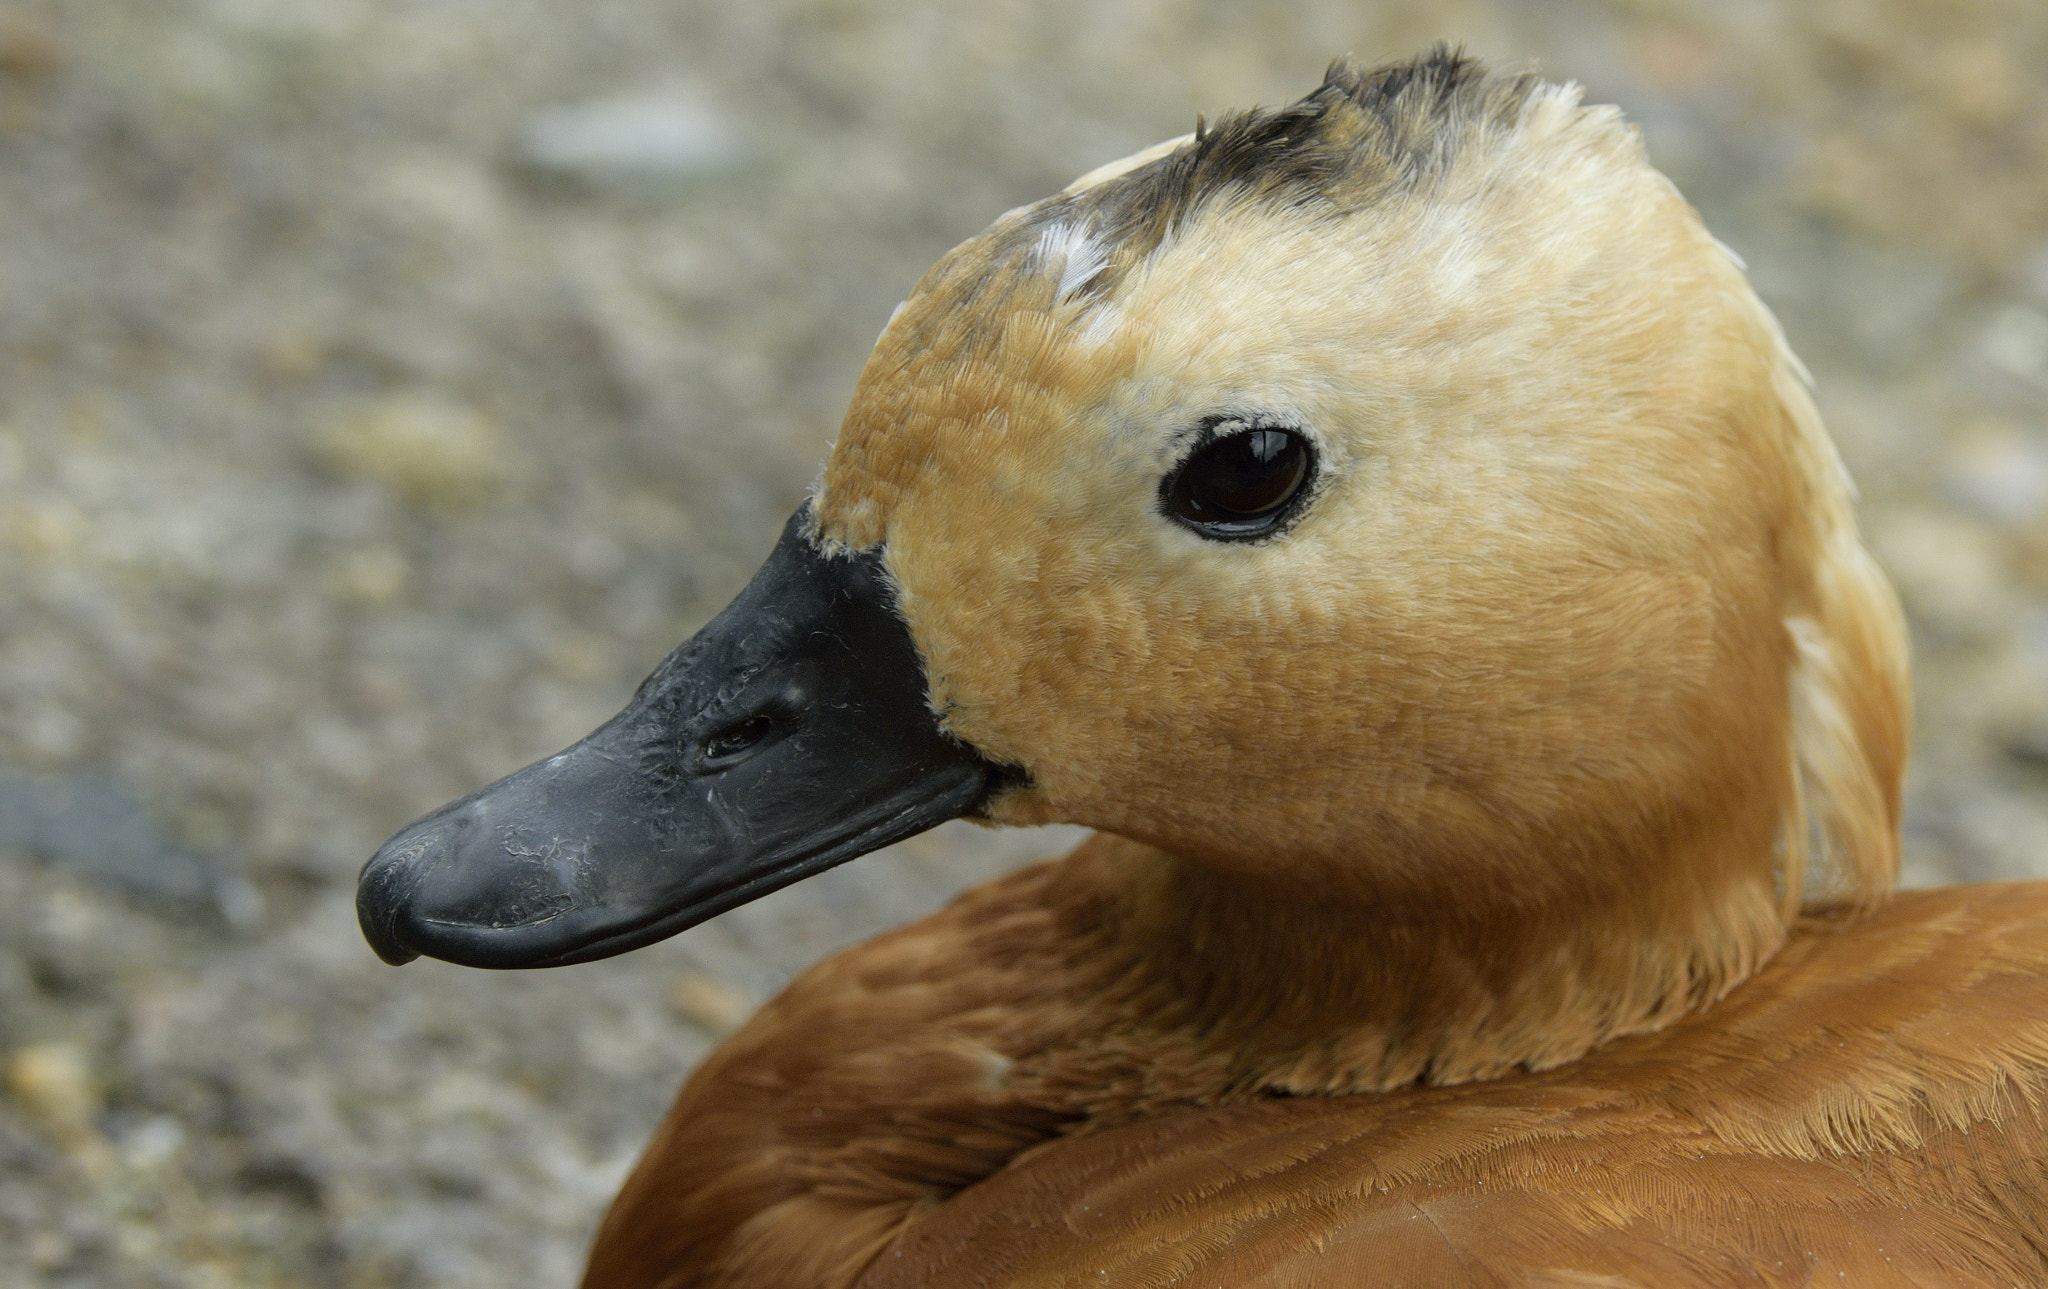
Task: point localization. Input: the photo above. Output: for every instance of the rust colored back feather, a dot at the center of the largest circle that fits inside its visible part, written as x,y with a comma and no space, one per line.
1867,1111
997,1096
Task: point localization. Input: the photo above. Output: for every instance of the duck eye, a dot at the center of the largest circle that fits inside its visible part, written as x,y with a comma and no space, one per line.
1239,485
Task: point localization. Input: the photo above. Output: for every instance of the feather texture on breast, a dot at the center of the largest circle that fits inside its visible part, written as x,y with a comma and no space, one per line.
1870,1105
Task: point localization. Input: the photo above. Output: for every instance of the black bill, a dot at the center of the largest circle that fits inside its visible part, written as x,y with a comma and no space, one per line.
792,733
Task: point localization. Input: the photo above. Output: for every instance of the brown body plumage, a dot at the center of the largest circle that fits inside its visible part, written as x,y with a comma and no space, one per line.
1869,1106
1492,884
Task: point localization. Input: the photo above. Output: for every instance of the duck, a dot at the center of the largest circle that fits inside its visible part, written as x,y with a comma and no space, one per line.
1394,525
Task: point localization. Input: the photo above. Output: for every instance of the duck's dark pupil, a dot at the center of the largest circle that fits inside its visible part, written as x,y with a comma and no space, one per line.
1241,478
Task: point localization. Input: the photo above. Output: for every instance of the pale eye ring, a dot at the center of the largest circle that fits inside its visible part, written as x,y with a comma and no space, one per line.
1242,483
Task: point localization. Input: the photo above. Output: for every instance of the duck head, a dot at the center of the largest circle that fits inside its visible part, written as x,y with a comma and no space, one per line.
1396,498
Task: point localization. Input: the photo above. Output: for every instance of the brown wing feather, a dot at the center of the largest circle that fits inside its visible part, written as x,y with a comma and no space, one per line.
1642,1204
1867,1111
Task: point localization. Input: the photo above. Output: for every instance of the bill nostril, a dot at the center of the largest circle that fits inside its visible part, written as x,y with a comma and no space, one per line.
738,739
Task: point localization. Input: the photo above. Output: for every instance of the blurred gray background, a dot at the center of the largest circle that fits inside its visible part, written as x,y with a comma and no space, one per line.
385,385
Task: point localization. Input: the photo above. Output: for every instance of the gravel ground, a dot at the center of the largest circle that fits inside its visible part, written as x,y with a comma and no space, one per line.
386,384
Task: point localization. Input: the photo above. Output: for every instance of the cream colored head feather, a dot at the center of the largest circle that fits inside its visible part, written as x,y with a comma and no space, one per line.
1574,612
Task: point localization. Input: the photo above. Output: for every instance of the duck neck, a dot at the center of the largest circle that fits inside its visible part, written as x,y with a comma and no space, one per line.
1315,992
